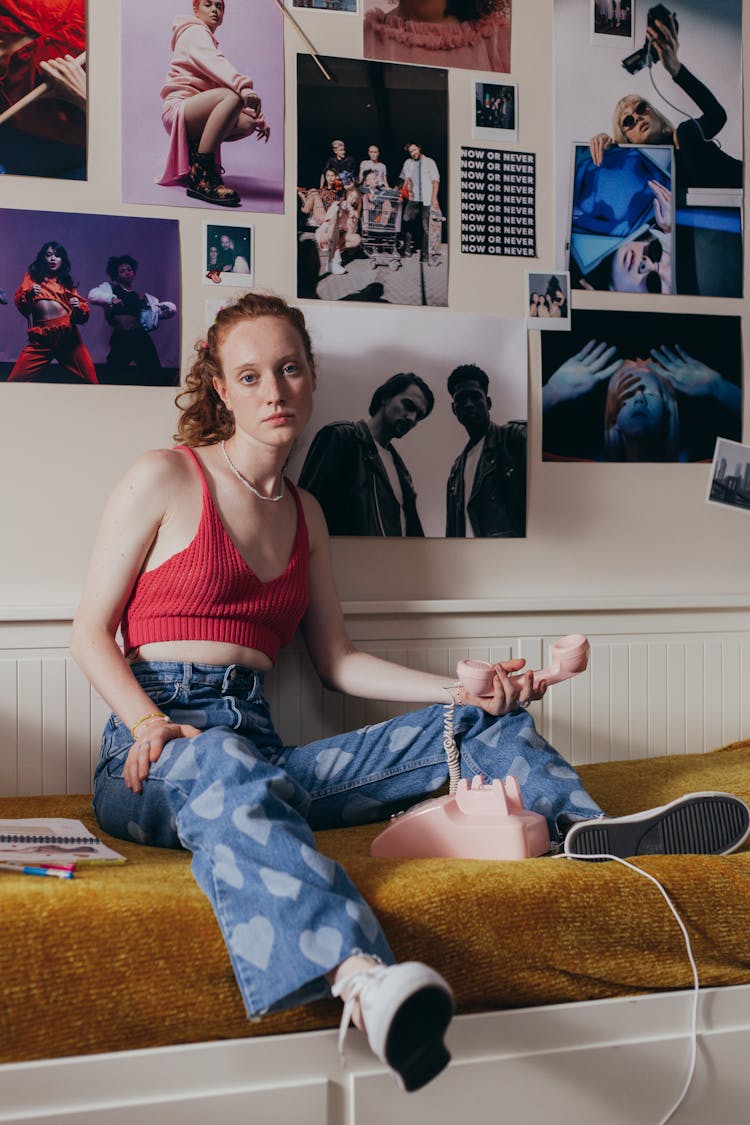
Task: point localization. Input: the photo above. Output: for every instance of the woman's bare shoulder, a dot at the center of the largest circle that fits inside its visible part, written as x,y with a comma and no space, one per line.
160,472
317,528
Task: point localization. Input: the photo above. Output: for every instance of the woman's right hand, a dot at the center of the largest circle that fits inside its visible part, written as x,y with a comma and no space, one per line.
148,748
666,44
35,290
578,375
597,145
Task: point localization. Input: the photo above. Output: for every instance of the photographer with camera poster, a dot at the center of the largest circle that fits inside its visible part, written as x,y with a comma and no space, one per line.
664,103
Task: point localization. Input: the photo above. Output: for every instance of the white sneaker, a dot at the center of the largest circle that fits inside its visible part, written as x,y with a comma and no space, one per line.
336,264
405,1009
696,824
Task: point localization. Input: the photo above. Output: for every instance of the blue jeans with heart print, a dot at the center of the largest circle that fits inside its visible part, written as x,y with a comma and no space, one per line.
246,807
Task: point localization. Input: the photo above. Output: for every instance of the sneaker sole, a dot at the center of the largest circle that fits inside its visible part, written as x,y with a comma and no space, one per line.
701,825
422,1020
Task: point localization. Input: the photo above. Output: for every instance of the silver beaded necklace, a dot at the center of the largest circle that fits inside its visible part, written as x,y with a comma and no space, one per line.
246,482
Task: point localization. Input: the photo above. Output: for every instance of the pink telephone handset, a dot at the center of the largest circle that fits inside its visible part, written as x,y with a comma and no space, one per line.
480,821
569,656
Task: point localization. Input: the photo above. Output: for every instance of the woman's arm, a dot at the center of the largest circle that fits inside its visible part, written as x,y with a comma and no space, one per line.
213,65
135,512
664,40
344,668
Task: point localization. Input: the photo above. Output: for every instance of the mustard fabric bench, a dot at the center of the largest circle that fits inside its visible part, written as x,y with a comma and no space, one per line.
129,956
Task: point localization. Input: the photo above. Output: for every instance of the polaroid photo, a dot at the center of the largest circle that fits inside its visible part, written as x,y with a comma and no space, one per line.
494,111
729,483
228,255
612,23
548,300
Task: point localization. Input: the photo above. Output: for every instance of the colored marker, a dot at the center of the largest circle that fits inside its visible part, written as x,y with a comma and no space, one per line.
35,870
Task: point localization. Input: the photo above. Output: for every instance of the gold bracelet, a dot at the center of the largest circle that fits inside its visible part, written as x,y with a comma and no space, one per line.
152,715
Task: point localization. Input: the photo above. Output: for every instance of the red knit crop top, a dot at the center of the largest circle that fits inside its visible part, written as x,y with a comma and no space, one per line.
207,592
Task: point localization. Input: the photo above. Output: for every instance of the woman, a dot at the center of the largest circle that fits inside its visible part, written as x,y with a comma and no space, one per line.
205,102
699,162
641,422
49,300
315,202
190,757
340,229
132,317
462,33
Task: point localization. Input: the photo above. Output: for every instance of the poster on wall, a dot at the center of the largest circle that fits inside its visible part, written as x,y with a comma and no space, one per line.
419,423
621,225
641,387
473,34
680,88
173,149
43,49
498,202
228,250
96,299
372,152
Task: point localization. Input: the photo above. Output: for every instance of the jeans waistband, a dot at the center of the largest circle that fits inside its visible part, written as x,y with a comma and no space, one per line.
228,679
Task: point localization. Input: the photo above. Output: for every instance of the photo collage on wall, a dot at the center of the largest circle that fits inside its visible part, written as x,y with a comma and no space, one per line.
648,173
648,200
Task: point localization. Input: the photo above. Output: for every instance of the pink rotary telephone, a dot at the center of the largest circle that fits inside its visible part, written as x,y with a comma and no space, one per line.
480,821
569,656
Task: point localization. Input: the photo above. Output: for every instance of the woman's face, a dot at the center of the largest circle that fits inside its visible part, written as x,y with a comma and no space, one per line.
374,153
640,124
52,259
643,408
268,381
634,263
330,177
211,12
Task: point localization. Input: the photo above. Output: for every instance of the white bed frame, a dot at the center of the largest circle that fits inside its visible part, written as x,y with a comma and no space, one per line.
663,679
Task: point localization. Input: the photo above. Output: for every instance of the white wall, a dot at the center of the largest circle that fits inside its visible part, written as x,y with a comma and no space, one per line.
605,531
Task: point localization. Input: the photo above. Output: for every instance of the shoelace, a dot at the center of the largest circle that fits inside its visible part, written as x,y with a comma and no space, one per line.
355,983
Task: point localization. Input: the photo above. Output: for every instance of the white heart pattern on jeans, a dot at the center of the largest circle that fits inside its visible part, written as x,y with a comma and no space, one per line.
253,941
280,883
253,822
210,804
237,749
364,918
186,766
322,946
225,866
402,737
331,761
318,863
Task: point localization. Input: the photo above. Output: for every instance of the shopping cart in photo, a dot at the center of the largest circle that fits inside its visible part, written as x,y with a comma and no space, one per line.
380,224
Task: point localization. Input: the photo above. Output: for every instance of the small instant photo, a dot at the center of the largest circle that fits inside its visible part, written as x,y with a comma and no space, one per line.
228,255
548,300
729,484
612,23
494,112
347,7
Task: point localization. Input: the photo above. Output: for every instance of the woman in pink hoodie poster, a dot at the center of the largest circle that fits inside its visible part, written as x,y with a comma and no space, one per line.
205,102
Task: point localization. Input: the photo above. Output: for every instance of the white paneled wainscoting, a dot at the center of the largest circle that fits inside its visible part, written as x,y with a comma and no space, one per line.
662,679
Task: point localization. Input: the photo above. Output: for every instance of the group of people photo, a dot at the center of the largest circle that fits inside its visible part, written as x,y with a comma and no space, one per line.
434,447
372,196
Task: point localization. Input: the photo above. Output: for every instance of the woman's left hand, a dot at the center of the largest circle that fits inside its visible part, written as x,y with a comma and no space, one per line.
262,129
67,79
509,691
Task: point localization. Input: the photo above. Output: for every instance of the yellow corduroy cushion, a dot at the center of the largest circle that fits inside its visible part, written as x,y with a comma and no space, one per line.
131,956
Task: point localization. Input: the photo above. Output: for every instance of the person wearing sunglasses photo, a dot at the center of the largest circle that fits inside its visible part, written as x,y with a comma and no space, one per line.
699,159
639,265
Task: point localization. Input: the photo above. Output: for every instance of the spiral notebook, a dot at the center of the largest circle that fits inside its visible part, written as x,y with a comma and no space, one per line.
52,840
